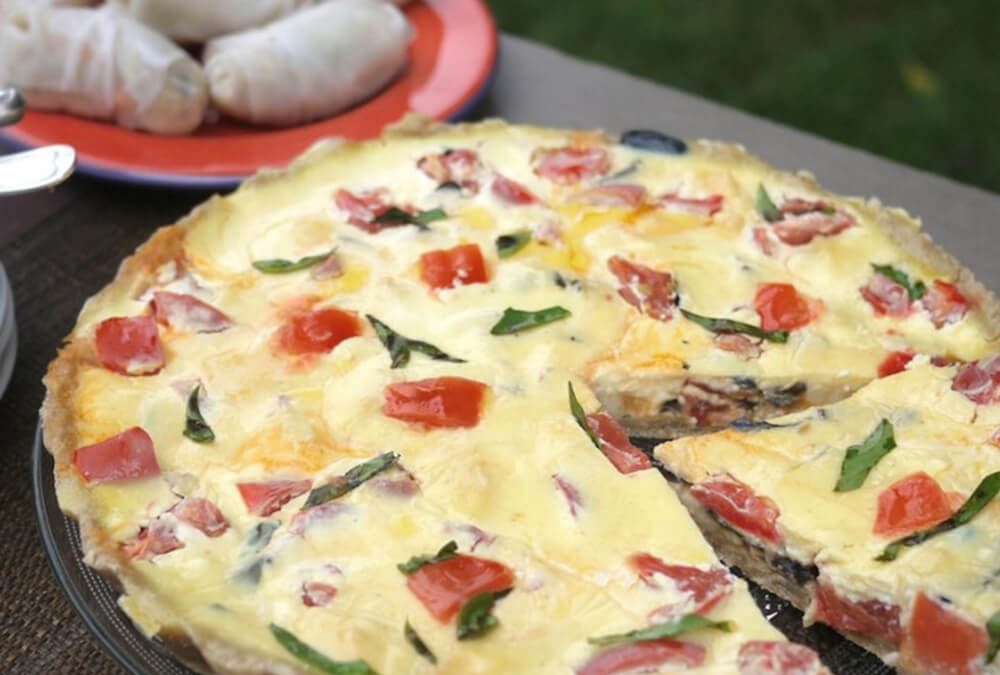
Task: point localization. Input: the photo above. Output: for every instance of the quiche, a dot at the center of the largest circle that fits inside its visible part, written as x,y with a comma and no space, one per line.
885,503
371,413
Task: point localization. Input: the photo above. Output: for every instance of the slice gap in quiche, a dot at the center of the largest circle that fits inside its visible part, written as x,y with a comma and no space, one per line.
370,412
884,502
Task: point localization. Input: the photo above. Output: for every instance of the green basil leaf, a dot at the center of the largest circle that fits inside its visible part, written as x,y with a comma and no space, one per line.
279,266
449,550
859,460
400,346
475,618
731,326
427,217
766,207
418,644
581,417
915,288
397,216
341,485
315,659
195,426
983,494
993,630
658,631
509,244
517,320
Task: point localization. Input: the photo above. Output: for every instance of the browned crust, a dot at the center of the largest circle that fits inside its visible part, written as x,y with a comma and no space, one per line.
205,652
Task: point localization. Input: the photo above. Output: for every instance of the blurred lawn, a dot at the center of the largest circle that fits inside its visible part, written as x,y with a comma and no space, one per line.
914,80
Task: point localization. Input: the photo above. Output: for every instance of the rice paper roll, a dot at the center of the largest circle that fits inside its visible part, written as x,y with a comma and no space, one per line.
99,63
201,20
309,65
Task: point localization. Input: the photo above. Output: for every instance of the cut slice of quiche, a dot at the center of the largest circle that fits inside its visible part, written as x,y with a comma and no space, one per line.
885,504
366,414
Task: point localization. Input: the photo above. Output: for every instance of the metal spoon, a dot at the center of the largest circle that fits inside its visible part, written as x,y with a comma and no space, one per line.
36,169
11,106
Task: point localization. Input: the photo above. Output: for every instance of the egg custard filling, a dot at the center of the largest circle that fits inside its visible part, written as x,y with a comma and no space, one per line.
371,413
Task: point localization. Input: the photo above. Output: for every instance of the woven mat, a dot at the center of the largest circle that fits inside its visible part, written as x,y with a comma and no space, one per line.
53,268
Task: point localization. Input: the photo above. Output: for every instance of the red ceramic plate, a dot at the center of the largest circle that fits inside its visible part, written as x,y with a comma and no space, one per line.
452,59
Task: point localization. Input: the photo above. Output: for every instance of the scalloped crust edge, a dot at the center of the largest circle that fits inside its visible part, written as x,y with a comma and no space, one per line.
205,652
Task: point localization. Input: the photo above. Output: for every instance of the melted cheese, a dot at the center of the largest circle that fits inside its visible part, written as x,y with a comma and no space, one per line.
276,417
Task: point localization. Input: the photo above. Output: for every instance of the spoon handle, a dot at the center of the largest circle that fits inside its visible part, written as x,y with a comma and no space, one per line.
11,106
35,169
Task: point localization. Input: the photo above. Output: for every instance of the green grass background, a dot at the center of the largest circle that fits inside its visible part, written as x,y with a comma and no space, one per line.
914,80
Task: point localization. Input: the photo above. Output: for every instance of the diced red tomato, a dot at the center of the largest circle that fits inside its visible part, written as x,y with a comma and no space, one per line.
443,587
126,456
707,206
650,291
363,208
201,514
887,297
129,345
570,492
615,444
644,656
453,166
448,268
738,344
317,331
911,504
782,307
512,192
894,362
317,594
437,403
706,588
266,497
945,303
571,165
621,194
737,504
865,617
155,539
976,383
188,313
762,657
940,642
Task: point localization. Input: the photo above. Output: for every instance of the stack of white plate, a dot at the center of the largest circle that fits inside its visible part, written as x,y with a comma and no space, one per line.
8,332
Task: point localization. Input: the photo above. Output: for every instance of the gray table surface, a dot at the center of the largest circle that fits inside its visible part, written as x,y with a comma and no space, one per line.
535,85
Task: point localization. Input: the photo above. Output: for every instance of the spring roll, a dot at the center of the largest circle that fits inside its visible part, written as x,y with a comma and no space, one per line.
309,65
100,63
201,20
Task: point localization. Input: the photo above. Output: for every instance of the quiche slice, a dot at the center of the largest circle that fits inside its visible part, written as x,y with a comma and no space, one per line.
885,504
366,414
